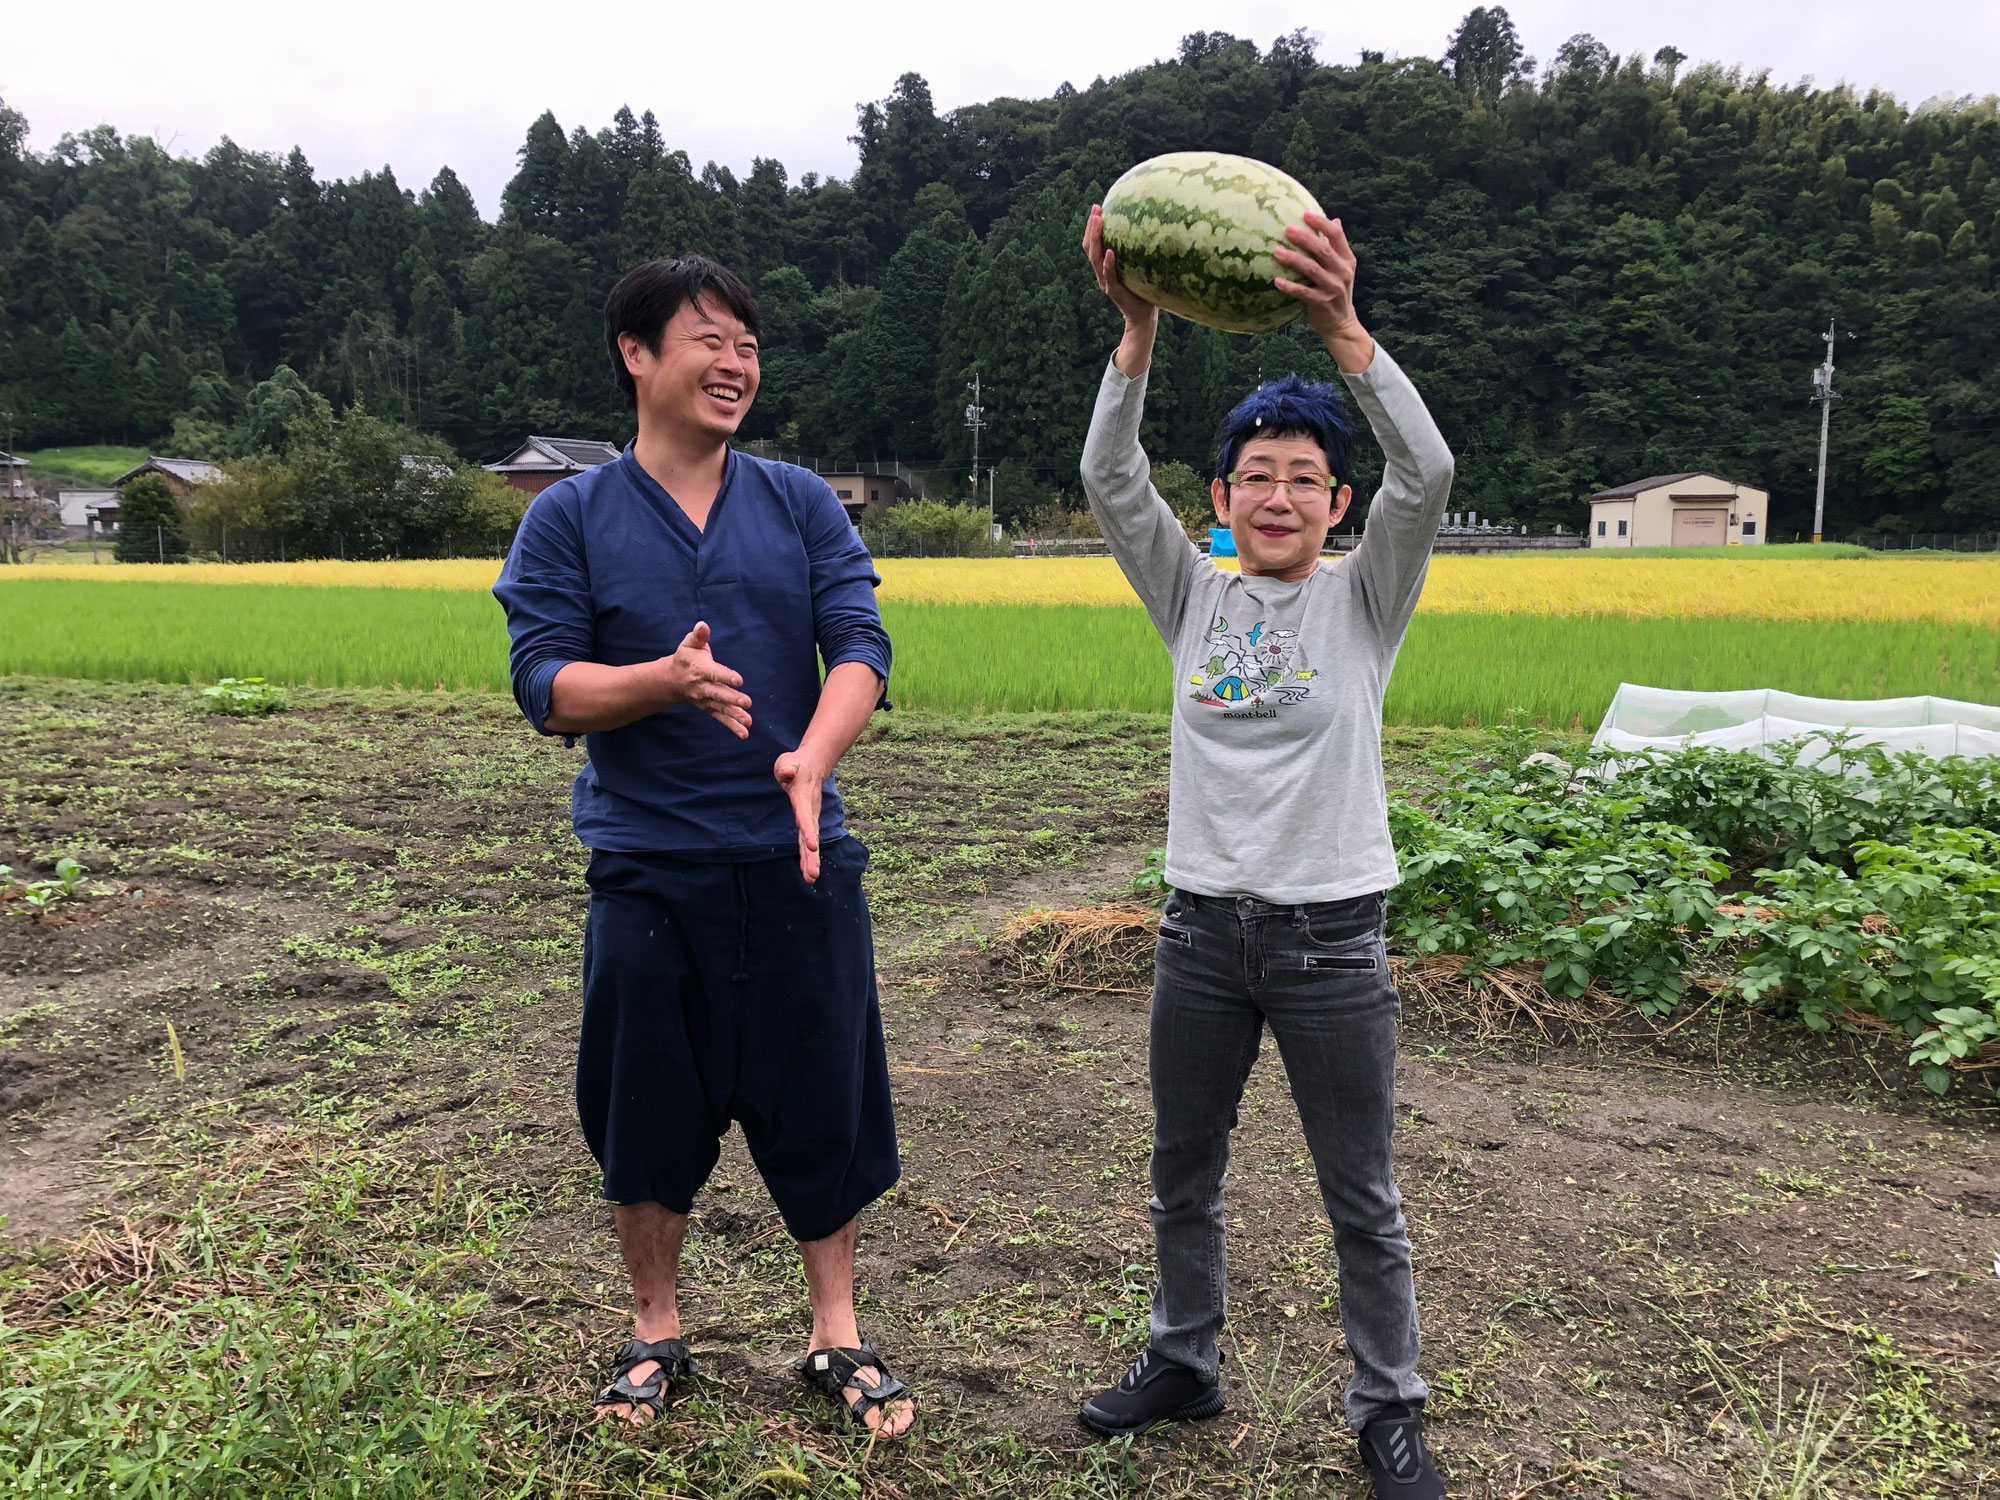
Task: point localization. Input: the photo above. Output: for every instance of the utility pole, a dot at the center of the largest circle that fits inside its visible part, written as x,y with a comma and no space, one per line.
991,470
9,553
1822,382
975,418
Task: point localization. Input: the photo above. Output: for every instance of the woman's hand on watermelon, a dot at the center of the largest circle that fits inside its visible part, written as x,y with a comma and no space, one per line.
1142,319
1324,263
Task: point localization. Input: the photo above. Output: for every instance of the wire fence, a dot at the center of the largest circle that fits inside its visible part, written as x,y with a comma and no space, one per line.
1927,541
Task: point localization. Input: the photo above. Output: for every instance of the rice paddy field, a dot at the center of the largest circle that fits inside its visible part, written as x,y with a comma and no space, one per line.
1549,637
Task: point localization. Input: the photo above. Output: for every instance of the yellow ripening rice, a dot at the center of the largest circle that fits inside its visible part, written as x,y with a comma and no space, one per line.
446,573
1945,590
1949,591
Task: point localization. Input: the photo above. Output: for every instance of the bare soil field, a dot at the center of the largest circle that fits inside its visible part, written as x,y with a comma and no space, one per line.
1721,1258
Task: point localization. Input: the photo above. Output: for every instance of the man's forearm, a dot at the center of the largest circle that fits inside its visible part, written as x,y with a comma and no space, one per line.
588,697
847,700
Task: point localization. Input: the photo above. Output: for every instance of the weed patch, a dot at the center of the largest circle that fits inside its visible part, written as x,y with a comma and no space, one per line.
363,920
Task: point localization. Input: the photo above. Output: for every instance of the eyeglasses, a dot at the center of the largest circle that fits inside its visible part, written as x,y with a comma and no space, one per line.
1257,485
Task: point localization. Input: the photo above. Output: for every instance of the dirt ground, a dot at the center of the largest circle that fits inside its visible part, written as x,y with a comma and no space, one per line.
1688,1266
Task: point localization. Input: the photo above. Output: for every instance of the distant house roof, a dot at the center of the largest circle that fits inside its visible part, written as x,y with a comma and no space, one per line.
186,470
1656,481
547,455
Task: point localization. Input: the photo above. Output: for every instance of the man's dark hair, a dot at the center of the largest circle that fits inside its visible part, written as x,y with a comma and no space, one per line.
647,297
1290,407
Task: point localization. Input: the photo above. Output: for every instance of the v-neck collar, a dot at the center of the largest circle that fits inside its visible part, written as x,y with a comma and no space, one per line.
689,535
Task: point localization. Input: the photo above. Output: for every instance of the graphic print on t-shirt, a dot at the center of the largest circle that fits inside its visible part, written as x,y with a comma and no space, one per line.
1256,666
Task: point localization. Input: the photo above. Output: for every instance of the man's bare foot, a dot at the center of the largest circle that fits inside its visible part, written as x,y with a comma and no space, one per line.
892,1420
628,1411
873,1397
643,1375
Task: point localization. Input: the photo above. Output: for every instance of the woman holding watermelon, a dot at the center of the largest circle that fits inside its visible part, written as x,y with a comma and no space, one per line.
1278,847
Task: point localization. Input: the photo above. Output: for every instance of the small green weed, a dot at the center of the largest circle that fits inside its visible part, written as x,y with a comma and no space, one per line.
1124,1316
44,896
1150,884
244,697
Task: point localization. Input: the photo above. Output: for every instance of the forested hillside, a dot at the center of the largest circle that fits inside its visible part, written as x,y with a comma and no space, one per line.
1597,269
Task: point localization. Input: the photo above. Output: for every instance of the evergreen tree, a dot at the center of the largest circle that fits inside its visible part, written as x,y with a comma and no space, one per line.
1621,266
149,522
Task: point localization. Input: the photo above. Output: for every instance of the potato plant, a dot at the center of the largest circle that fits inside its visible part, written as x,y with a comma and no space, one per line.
1864,885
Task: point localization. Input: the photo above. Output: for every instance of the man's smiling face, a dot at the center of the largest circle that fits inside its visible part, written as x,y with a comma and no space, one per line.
705,375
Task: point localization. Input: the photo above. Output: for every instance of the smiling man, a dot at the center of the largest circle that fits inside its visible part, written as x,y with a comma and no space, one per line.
1278,846
673,608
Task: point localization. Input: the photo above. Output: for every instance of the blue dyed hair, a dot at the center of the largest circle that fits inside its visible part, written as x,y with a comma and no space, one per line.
1289,407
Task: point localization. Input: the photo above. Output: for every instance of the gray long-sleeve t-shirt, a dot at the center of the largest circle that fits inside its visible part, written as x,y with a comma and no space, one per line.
1276,786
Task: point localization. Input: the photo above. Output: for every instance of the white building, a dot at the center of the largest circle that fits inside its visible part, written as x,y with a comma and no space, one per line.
1680,510
86,510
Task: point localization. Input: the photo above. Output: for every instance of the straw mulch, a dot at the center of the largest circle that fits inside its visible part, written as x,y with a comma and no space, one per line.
1095,950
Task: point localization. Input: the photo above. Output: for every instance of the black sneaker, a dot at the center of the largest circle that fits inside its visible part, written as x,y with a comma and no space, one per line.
1153,1391
1393,1447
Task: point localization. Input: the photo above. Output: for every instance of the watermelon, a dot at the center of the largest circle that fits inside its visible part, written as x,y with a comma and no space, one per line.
1193,232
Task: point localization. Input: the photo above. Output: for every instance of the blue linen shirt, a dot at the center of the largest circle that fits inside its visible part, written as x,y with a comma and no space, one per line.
606,567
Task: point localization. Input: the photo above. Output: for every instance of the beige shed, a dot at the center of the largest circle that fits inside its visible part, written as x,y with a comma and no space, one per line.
1680,510
856,489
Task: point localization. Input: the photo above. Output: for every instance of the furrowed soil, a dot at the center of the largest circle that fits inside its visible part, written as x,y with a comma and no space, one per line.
1736,1259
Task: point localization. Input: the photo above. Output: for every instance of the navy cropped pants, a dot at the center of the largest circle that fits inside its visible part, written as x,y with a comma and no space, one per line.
715,992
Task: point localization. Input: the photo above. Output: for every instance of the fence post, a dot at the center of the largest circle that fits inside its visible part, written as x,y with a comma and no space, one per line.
160,541
225,541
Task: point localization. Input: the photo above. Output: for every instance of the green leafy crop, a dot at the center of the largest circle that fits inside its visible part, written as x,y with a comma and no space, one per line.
1844,888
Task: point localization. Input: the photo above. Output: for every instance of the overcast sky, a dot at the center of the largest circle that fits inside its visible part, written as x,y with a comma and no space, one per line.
418,85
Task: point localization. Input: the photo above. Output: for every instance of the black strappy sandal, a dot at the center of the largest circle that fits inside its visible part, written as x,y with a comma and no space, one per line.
834,1372
674,1363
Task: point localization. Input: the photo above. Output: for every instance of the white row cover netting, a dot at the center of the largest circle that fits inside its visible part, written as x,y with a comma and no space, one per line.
1648,718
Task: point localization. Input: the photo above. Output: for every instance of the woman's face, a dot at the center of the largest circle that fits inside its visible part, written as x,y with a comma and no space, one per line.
1280,527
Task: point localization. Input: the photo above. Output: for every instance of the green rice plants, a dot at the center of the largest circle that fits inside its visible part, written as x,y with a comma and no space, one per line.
198,633
982,658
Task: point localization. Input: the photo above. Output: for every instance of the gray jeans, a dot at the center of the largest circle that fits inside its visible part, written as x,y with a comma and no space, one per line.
1319,975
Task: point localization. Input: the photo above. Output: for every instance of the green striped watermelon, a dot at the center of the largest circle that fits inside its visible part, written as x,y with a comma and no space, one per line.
1193,233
